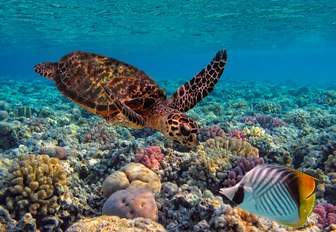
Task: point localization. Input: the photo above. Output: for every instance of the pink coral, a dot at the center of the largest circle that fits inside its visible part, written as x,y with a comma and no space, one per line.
150,157
237,134
326,214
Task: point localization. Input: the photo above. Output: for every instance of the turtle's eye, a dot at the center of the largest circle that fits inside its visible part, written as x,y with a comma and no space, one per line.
185,130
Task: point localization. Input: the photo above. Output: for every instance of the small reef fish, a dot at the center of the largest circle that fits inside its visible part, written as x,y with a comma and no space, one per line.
279,193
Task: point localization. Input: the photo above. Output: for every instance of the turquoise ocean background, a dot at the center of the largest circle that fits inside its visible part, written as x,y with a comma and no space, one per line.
266,40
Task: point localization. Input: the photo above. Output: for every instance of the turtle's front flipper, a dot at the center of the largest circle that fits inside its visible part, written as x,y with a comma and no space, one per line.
192,92
127,117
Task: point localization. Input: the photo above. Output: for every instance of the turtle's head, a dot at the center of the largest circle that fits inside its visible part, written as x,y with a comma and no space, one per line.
46,69
182,129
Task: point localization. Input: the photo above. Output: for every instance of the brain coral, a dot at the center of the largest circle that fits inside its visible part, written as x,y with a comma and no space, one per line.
34,186
133,175
132,203
112,223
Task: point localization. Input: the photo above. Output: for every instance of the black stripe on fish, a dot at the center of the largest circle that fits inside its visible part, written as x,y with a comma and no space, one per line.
293,188
238,197
276,202
283,197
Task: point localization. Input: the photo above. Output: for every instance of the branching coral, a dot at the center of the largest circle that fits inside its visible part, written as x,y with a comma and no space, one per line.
35,185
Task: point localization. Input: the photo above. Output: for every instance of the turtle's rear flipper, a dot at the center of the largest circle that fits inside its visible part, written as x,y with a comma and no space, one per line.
192,92
128,116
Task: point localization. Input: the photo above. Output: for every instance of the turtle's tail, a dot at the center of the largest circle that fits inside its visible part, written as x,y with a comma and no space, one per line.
46,69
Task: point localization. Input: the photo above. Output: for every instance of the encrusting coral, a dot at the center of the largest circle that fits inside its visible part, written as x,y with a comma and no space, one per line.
132,203
113,223
133,175
35,185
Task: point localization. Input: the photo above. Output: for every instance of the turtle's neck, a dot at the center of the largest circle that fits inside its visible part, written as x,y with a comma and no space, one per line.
156,116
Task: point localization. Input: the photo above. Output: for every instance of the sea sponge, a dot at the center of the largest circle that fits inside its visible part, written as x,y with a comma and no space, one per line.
34,186
133,175
132,203
113,223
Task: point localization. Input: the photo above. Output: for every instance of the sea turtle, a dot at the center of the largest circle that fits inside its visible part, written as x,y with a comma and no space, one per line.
123,94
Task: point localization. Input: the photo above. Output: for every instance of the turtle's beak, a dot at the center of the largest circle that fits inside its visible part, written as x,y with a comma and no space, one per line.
46,69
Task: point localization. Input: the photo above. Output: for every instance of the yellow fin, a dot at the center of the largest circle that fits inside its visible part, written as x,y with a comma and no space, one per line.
306,185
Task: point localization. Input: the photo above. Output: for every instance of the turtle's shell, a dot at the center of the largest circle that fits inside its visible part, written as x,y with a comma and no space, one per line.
80,76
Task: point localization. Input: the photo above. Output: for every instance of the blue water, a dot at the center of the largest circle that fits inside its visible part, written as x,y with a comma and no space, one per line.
266,40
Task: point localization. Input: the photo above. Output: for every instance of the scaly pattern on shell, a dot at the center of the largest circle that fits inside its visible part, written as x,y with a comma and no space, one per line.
80,76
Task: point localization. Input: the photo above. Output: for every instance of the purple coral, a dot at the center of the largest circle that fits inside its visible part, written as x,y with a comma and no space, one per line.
326,214
208,132
265,121
244,165
237,134
151,157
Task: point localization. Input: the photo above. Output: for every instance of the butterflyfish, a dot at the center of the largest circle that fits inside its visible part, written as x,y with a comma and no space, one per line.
284,195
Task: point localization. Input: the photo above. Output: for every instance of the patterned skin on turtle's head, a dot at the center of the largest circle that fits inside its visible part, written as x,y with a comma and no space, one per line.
46,69
182,129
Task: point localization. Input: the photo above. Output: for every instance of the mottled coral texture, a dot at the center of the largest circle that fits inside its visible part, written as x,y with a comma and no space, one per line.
243,166
34,186
208,132
237,134
133,175
151,157
113,223
132,203
54,151
99,135
326,214
265,121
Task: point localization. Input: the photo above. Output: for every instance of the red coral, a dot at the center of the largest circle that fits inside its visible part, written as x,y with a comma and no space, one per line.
151,157
237,134
326,214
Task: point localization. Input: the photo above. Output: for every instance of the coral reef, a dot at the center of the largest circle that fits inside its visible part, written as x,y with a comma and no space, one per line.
151,157
8,135
244,165
99,135
133,175
265,121
35,185
132,203
55,151
326,214
191,178
113,223
237,134
254,131
208,132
